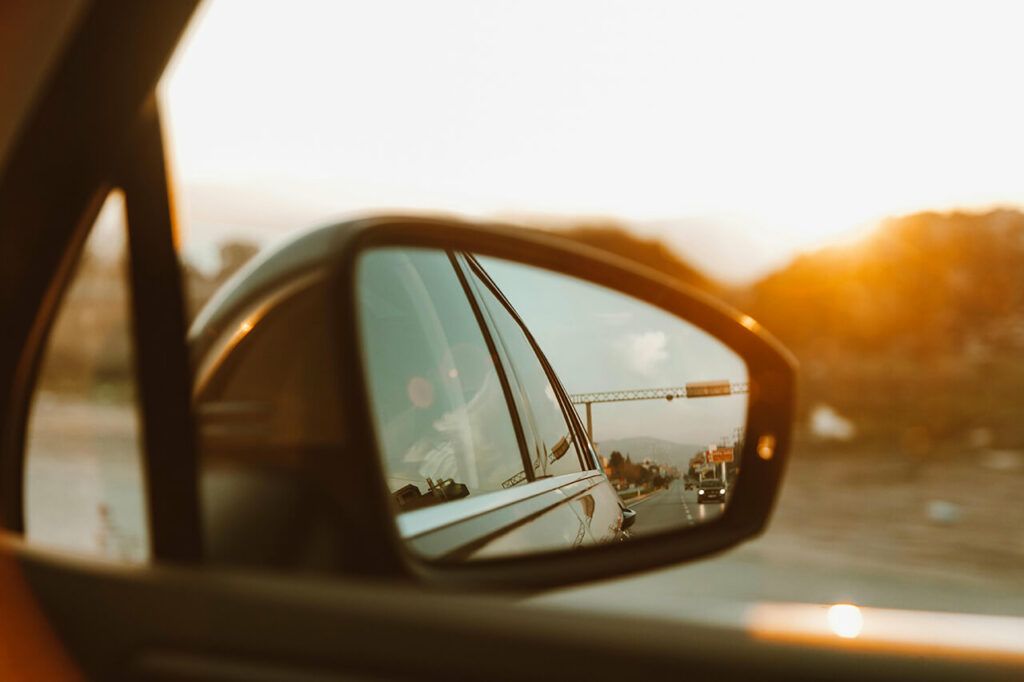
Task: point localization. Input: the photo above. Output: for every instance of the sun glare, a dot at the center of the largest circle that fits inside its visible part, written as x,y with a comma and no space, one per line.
845,620
739,141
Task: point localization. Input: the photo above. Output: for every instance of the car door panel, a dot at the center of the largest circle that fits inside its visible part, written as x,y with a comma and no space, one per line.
605,518
549,514
181,624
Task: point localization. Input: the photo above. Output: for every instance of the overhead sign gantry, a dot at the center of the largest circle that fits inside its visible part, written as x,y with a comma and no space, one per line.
695,389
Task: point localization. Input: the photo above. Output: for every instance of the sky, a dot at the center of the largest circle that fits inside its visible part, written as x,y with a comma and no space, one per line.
597,340
740,132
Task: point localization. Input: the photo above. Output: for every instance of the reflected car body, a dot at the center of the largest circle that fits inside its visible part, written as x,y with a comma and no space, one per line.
711,490
238,377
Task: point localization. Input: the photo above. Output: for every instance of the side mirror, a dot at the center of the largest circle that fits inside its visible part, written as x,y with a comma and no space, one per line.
486,361
507,409
628,518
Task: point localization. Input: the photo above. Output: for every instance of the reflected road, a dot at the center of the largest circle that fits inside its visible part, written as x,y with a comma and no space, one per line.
673,507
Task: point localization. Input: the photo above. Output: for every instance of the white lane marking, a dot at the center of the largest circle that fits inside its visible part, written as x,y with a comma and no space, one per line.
686,507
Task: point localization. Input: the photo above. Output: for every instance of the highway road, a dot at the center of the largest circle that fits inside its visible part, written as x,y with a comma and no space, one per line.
838,535
670,508
723,588
845,529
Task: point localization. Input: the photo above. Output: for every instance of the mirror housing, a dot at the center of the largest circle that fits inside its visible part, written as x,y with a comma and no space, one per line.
628,518
770,410
339,465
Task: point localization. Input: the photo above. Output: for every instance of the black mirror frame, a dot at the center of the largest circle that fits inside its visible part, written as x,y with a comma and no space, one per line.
770,411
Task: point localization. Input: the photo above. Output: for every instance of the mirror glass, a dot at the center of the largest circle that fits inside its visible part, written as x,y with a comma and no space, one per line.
518,410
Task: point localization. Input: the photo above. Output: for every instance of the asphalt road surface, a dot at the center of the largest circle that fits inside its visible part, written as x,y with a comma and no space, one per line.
847,529
671,508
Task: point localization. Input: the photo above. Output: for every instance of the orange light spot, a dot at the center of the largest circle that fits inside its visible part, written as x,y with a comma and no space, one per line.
766,446
845,620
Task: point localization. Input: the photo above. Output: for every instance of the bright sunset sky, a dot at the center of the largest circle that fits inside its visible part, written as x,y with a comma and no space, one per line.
741,132
582,326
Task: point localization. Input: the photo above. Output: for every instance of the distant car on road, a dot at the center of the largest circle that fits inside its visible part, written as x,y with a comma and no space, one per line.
689,485
711,489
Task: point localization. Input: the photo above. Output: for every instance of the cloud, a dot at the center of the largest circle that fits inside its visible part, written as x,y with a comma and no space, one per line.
645,351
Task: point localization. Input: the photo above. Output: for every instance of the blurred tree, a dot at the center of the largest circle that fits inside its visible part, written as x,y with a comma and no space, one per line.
927,283
918,325
615,463
200,287
233,255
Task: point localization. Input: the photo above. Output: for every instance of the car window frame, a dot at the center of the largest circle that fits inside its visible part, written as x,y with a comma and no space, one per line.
502,371
585,460
114,139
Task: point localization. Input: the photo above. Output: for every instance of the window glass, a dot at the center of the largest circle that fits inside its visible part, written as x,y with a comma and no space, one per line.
83,462
551,442
442,419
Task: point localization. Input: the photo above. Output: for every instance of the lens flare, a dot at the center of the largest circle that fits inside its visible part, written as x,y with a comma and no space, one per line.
845,620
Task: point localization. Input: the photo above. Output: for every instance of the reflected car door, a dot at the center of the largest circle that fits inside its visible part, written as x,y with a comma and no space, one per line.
548,417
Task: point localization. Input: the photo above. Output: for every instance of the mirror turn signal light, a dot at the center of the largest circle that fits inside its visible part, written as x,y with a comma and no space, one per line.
766,446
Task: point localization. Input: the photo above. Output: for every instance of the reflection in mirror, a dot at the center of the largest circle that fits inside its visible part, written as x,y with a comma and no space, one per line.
518,410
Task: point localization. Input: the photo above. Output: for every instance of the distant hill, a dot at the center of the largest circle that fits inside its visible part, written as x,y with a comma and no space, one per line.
915,334
926,283
661,451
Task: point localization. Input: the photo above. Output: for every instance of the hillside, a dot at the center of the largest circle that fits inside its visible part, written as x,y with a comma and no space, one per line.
927,283
661,451
915,334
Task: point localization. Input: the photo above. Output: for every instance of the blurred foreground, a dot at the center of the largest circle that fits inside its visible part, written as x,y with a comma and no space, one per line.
867,529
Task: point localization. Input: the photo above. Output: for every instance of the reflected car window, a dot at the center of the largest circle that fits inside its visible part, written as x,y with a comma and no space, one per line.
445,427
551,442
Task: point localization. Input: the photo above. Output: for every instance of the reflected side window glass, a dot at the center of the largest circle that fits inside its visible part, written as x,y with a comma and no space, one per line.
551,442
84,484
443,422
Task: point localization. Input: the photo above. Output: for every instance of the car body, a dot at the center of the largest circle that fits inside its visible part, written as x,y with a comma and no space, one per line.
711,490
